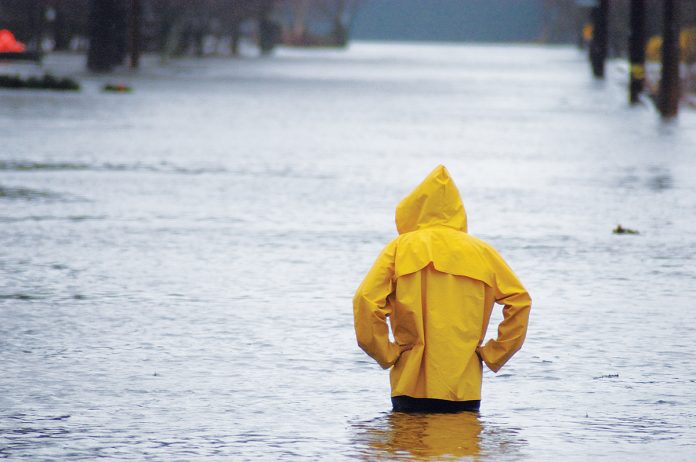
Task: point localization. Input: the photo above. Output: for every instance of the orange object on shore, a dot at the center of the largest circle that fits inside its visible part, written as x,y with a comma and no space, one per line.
9,44
587,32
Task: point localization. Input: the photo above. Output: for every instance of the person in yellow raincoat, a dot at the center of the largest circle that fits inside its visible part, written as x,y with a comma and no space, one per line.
437,284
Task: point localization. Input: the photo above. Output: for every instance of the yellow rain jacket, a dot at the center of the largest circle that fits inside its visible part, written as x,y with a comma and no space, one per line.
437,285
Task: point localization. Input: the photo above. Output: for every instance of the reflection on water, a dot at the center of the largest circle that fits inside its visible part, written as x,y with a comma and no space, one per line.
420,435
654,178
160,167
660,181
21,193
434,436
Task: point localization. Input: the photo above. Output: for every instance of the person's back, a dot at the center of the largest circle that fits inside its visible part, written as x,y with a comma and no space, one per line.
438,285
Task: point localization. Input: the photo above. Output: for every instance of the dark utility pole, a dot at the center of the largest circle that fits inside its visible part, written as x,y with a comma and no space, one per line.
636,50
668,99
598,46
135,38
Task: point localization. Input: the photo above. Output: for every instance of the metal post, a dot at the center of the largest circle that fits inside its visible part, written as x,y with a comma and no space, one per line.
598,47
636,50
668,99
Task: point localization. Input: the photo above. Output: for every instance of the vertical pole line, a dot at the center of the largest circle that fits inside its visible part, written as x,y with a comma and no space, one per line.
135,38
598,47
36,23
668,100
236,36
636,50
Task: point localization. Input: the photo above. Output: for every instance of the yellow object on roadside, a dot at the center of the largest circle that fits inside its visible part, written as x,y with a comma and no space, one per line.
687,46
438,285
637,71
587,32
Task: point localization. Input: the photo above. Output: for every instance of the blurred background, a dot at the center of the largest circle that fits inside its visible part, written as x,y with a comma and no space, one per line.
116,33
190,193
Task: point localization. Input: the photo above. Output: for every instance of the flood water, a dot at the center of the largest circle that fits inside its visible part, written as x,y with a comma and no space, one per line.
177,264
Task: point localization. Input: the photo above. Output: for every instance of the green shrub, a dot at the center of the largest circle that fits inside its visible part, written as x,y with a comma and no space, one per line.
47,82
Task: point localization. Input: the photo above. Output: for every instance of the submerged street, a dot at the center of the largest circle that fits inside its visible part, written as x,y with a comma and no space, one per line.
177,264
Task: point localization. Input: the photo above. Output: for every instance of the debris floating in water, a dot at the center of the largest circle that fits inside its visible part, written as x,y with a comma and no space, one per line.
118,88
621,230
608,376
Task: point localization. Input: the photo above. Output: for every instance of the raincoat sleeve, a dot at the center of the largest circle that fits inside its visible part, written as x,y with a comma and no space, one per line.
371,308
508,291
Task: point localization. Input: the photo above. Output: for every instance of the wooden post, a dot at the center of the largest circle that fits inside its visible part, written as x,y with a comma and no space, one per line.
668,99
636,50
598,47
135,36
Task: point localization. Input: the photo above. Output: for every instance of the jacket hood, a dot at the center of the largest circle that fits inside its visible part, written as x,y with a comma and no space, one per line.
436,201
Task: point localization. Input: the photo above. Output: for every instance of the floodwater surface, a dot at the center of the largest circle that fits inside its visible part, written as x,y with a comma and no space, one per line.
177,264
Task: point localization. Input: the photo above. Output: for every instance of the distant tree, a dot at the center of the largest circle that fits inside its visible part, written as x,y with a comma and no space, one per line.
107,35
170,27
